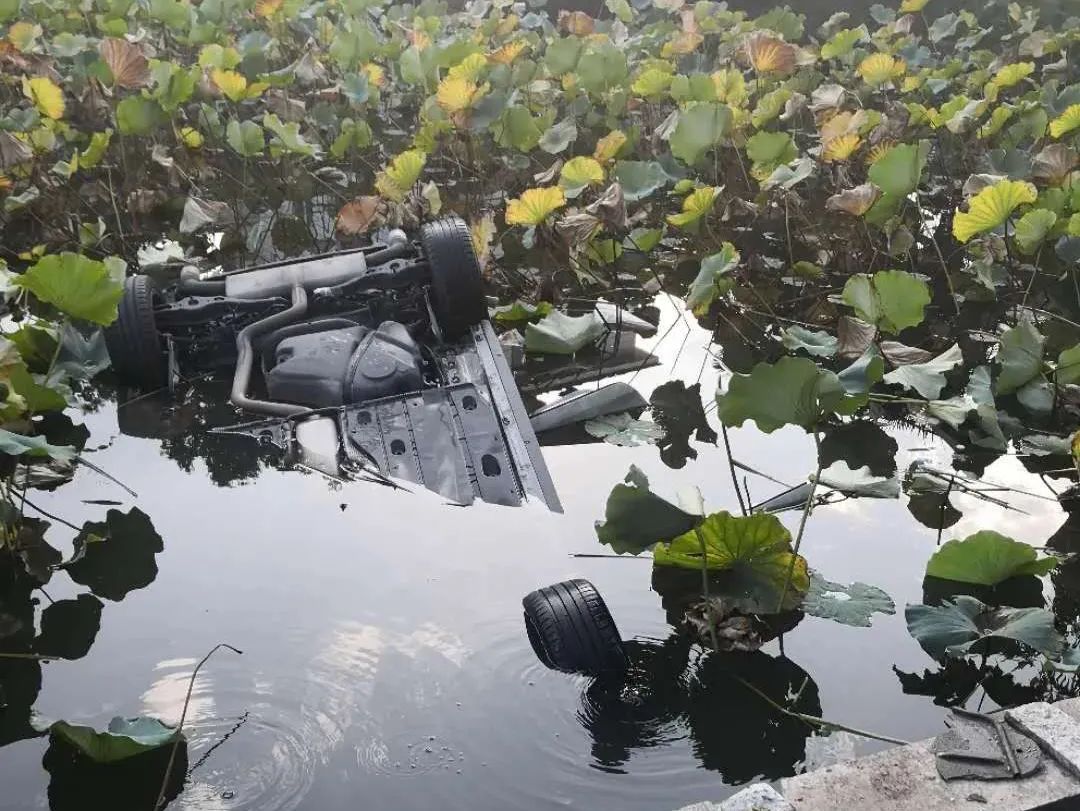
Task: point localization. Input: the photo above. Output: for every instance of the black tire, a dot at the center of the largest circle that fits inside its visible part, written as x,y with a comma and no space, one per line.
571,629
457,283
133,340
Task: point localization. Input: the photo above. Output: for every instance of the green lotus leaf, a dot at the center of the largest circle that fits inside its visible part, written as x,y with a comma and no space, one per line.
968,626
891,300
1033,228
698,130
1020,356
986,559
853,604
76,285
792,391
635,518
709,281
124,738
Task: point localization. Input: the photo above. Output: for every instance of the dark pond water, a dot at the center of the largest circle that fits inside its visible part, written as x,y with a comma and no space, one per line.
385,662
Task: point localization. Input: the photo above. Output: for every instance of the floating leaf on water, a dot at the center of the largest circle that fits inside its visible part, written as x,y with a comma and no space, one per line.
707,284
859,481
991,207
813,342
928,378
987,558
622,429
561,334
635,518
792,391
853,604
892,300
639,179
968,626
1020,355
124,738
117,555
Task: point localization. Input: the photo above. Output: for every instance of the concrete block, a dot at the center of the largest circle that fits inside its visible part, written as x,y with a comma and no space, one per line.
906,779
1057,732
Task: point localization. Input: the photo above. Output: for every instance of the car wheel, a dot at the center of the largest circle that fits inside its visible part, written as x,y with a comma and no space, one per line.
457,283
133,340
571,629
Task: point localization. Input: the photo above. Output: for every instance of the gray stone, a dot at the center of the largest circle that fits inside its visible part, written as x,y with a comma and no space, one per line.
758,797
1057,732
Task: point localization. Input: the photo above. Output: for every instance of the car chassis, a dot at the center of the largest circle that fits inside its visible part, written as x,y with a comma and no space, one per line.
377,362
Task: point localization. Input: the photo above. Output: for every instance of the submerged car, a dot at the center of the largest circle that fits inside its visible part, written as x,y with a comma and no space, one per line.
376,361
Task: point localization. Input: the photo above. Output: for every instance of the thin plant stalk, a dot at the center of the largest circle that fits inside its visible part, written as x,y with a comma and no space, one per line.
705,589
807,509
183,715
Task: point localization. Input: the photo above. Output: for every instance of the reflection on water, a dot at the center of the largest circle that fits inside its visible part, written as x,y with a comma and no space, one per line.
384,654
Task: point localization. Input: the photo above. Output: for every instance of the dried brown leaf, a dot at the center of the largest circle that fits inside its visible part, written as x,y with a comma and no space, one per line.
126,62
856,201
357,216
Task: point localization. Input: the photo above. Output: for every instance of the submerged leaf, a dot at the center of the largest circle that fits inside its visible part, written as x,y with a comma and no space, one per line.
853,604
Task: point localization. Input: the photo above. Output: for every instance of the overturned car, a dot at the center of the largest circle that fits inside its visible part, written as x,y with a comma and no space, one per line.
378,360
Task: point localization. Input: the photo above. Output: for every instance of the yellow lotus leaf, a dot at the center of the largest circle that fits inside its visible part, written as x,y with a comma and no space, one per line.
682,43
769,54
1066,122
991,207
376,76
695,206
1012,74
232,84
912,83
456,94
191,137
22,34
879,68
580,171
1073,228
471,68
508,52
841,124
46,95
267,8
534,206
569,82
840,149
5,183
879,151
999,116
608,146
483,233
730,86
507,24
651,83
912,6
395,181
